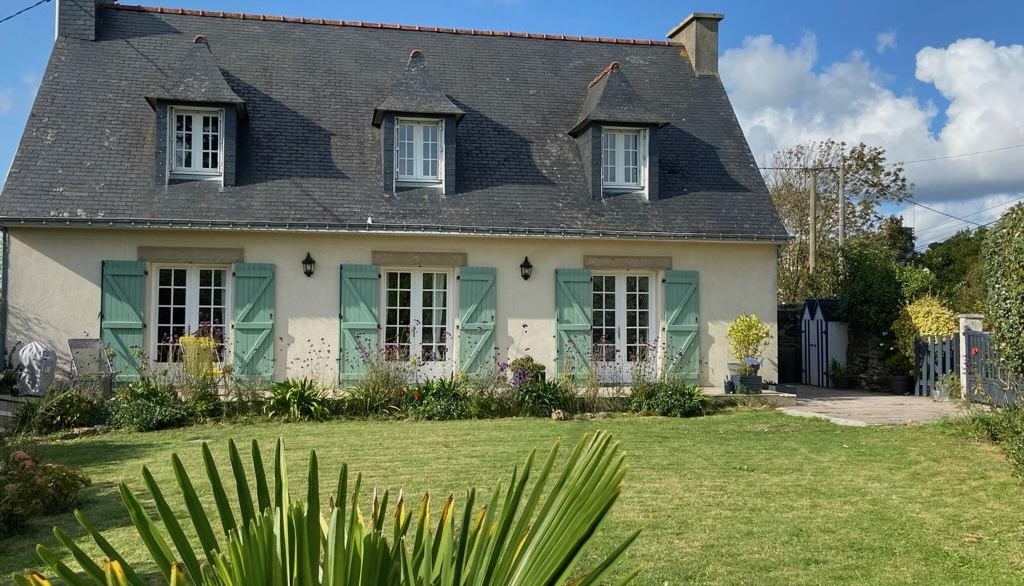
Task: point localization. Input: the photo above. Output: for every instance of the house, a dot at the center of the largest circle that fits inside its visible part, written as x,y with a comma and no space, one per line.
312,190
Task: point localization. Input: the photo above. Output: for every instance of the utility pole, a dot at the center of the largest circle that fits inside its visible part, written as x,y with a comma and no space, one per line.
842,200
813,242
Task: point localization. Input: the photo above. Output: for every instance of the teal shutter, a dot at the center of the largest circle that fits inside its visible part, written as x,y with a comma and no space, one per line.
573,320
254,320
682,325
121,324
477,317
359,320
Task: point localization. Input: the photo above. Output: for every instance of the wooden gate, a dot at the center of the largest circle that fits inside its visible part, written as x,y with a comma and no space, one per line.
987,380
935,357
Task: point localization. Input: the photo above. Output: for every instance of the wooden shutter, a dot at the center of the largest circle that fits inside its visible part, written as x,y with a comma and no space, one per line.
682,325
477,316
121,316
359,318
253,323
573,320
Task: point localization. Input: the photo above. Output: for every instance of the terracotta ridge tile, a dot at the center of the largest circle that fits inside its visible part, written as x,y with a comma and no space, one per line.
380,25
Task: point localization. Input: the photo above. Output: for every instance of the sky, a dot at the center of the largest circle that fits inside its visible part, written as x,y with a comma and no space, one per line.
935,79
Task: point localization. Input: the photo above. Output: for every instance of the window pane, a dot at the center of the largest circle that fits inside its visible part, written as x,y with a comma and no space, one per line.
631,158
430,147
608,157
406,150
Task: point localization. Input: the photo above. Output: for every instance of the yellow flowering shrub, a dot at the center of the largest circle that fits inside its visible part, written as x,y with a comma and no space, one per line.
925,317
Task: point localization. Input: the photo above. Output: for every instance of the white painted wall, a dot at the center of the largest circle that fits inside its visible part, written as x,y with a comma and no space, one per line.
55,284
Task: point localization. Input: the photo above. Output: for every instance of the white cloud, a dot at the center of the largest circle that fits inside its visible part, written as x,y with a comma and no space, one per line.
5,102
884,41
783,97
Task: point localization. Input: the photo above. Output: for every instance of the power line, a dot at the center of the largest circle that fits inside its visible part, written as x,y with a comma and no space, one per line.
998,205
23,10
1006,148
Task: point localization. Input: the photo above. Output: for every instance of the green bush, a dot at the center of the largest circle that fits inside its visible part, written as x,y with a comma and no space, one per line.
29,487
64,407
145,405
541,398
297,400
1003,251
383,388
440,399
670,398
870,291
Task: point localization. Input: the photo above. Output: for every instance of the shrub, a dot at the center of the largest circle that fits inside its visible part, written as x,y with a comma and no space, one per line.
669,397
925,317
526,369
64,407
542,397
145,405
748,337
440,399
297,400
1004,247
870,291
29,487
383,388
915,281
531,533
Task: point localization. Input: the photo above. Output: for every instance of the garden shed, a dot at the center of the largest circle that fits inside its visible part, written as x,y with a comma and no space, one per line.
823,339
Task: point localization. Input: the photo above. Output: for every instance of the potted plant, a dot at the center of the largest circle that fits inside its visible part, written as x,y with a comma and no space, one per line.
838,375
748,338
899,368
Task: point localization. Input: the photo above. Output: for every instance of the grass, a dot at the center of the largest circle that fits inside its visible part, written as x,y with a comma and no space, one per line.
749,497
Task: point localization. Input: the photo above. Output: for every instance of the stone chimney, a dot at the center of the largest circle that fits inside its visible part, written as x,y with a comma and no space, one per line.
76,19
698,34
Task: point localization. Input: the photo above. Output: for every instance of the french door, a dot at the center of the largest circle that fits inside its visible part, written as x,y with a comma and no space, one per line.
623,332
188,300
417,319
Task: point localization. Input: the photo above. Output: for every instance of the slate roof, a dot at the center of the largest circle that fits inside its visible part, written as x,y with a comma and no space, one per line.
416,91
309,157
196,79
611,98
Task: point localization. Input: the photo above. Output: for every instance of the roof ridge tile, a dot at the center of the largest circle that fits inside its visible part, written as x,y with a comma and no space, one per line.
380,25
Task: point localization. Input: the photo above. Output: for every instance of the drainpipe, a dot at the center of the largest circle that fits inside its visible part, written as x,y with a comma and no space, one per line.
5,259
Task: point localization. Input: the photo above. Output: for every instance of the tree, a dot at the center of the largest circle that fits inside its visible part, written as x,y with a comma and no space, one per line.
869,179
870,291
959,269
1003,251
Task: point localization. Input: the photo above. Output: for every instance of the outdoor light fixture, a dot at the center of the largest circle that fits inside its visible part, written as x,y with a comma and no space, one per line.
526,269
308,264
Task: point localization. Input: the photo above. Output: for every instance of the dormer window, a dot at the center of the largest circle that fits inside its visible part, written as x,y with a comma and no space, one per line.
419,150
624,158
197,148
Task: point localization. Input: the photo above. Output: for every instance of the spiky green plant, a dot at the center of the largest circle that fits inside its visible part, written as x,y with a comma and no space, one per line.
519,538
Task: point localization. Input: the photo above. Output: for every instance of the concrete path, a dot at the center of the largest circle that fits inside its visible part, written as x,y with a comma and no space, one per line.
867,408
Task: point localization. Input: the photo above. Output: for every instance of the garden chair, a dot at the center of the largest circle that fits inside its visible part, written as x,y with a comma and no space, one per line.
90,365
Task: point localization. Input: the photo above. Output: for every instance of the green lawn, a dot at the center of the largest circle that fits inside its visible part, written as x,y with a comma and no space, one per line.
750,497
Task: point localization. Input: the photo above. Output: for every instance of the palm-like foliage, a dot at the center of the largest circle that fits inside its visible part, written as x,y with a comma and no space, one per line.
520,537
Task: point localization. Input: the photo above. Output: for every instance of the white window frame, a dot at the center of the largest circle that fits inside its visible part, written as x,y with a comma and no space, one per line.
196,170
191,305
433,369
619,148
620,369
418,176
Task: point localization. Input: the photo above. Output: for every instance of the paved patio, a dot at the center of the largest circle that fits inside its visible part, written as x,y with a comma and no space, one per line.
860,408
